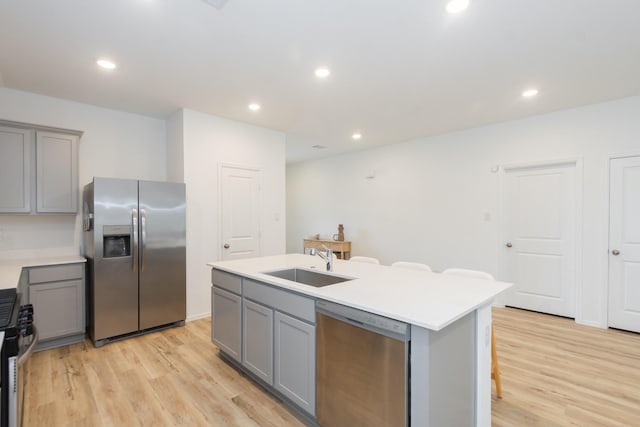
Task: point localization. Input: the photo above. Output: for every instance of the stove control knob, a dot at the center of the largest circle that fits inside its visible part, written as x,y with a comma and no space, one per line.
27,308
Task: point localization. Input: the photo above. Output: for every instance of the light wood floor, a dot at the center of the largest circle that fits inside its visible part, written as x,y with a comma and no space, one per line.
554,373
558,373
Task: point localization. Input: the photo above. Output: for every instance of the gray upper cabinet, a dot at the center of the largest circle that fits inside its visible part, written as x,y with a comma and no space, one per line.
57,173
38,170
16,146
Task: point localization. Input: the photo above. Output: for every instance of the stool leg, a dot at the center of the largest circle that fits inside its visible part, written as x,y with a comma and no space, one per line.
495,369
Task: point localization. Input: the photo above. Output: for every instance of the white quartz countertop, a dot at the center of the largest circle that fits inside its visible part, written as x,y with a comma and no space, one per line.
10,268
429,300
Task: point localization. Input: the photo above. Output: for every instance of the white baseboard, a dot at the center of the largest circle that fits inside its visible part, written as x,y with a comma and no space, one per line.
198,316
591,323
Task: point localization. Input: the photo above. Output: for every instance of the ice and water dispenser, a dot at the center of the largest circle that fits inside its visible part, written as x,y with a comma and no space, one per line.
116,241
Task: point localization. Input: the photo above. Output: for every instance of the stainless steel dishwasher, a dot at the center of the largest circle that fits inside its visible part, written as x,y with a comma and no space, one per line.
362,368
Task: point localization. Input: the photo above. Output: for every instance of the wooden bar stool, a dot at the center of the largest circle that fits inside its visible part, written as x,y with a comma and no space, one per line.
364,259
411,265
495,369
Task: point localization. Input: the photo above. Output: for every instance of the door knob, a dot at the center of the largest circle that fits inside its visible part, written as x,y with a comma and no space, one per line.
508,245
226,246
615,252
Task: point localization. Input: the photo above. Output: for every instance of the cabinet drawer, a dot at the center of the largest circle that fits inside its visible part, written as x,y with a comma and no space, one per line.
227,281
56,273
285,301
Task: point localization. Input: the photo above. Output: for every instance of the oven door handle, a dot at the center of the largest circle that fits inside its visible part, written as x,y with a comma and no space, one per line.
24,356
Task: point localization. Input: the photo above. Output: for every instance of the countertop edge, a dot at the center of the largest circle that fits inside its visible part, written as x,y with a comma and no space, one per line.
325,293
11,268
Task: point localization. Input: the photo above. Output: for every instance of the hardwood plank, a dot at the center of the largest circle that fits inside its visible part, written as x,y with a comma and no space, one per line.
148,409
554,373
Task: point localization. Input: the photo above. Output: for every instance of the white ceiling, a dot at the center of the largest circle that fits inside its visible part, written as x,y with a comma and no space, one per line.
400,69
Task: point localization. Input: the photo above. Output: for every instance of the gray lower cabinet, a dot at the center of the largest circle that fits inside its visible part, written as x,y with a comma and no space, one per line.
295,361
58,298
257,340
270,332
226,328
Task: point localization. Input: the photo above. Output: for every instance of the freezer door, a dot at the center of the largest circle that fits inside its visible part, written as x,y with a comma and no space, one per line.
113,283
162,253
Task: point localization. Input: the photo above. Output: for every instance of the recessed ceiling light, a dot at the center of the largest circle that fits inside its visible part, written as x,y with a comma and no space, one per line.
356,136
105,63
322,73
254,107
457,6
529,93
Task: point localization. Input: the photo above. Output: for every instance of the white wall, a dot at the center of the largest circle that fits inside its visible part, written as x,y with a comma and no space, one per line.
175,147
188,148
114,144
209,141
435,200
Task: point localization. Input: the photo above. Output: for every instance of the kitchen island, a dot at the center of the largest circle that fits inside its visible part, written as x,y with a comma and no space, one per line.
449,319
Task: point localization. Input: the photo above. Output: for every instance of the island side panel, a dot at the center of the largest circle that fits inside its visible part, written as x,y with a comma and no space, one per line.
483,366
419,376
443,375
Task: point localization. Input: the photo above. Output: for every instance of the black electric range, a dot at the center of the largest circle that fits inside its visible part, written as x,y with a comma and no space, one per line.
12,321
16,322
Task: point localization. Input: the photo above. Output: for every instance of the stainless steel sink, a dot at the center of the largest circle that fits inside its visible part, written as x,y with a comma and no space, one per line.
306,277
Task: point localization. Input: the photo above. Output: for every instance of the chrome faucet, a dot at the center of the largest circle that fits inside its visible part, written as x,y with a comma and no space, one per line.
327,256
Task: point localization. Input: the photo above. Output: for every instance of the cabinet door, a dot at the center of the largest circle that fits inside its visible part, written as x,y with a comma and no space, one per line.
295,361
257,340
58,308
15,170
226,330
57,173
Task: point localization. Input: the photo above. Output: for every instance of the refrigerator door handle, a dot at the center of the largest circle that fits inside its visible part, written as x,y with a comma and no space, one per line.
143,237
134,231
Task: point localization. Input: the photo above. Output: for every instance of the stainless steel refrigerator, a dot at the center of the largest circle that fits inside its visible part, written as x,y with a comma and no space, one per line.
134,239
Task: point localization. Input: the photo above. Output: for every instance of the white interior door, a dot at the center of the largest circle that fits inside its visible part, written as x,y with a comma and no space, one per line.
539,208
240,212
624,243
